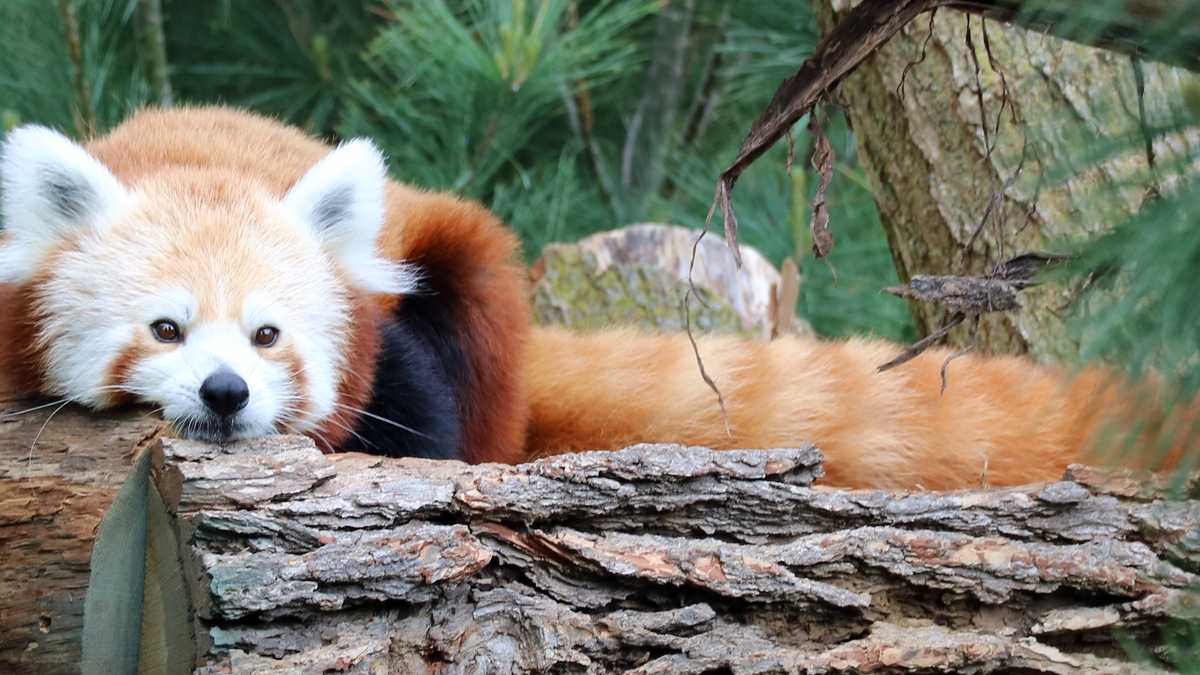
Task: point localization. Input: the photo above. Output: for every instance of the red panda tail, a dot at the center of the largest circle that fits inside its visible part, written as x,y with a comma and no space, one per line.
1000,420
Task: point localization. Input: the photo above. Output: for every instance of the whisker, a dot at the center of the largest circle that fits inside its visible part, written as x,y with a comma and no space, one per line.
324,441
29,460
33,409
383,419
352,432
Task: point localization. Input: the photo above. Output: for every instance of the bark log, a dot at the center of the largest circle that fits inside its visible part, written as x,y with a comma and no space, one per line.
660,559
958,131
56,482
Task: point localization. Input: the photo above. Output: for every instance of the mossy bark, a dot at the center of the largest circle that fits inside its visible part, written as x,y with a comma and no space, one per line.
960,188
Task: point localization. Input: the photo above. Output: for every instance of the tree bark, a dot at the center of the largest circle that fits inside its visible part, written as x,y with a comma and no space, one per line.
959,154
57,478
659,559
1167,31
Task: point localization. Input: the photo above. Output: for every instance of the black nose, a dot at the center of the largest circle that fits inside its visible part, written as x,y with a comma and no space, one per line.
224,392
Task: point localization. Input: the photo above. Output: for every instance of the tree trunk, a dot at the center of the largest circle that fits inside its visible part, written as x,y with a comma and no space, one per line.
961,170
658,559
57,479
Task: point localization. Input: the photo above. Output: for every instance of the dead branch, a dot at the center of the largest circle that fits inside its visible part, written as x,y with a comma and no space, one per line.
822,161
969,297
974,295
996,292
917,348
855,37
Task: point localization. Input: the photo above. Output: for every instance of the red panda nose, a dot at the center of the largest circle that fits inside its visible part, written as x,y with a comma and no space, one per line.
224,392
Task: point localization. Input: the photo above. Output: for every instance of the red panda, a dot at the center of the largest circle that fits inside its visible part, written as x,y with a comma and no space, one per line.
247,279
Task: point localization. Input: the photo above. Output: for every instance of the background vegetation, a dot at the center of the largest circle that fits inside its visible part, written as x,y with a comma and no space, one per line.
572,116
565,117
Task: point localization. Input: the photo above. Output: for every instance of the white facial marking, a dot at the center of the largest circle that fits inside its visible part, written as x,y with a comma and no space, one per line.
342,199
107,289
173,379
322,356
220,270
52,190
175,304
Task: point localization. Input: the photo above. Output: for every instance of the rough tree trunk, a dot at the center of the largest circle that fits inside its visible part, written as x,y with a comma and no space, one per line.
938,176
658,559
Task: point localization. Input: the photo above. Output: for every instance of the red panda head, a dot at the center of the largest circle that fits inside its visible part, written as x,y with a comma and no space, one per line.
194,289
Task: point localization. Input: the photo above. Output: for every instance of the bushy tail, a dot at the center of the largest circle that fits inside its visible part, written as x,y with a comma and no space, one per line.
999,420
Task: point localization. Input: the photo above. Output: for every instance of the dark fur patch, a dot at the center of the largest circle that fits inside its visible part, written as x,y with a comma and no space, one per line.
333,208
419,384
71,197
470,319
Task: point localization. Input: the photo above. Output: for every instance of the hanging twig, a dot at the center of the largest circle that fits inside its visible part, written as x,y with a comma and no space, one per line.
913,64
860,33
996,200
687,323
915,350
998,68
970,45
822,161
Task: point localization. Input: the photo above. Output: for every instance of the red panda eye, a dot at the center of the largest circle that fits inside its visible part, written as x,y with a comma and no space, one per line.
266,336
165,330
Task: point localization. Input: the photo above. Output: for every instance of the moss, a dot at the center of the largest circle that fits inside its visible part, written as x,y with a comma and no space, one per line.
574,292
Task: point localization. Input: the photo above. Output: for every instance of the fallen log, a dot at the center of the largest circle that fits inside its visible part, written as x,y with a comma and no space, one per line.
660,559
56,482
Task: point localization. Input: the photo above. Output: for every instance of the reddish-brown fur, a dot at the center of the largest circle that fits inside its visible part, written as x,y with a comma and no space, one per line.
535,392
1001,420
21,359
354,391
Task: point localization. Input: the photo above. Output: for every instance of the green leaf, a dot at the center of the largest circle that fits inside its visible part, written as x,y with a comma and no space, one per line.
136,616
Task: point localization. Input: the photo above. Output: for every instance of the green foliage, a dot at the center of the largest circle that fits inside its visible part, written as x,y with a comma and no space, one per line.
294,60
37,73
550,112
458,99
554,113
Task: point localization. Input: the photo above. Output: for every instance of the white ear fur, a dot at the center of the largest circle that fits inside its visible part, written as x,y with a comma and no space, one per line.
51,187
342,198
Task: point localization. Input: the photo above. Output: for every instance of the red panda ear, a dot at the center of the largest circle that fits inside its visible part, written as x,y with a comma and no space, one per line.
342,198
52,187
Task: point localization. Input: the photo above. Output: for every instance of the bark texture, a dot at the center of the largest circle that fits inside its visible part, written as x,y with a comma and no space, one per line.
660,559
961,133
56,482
